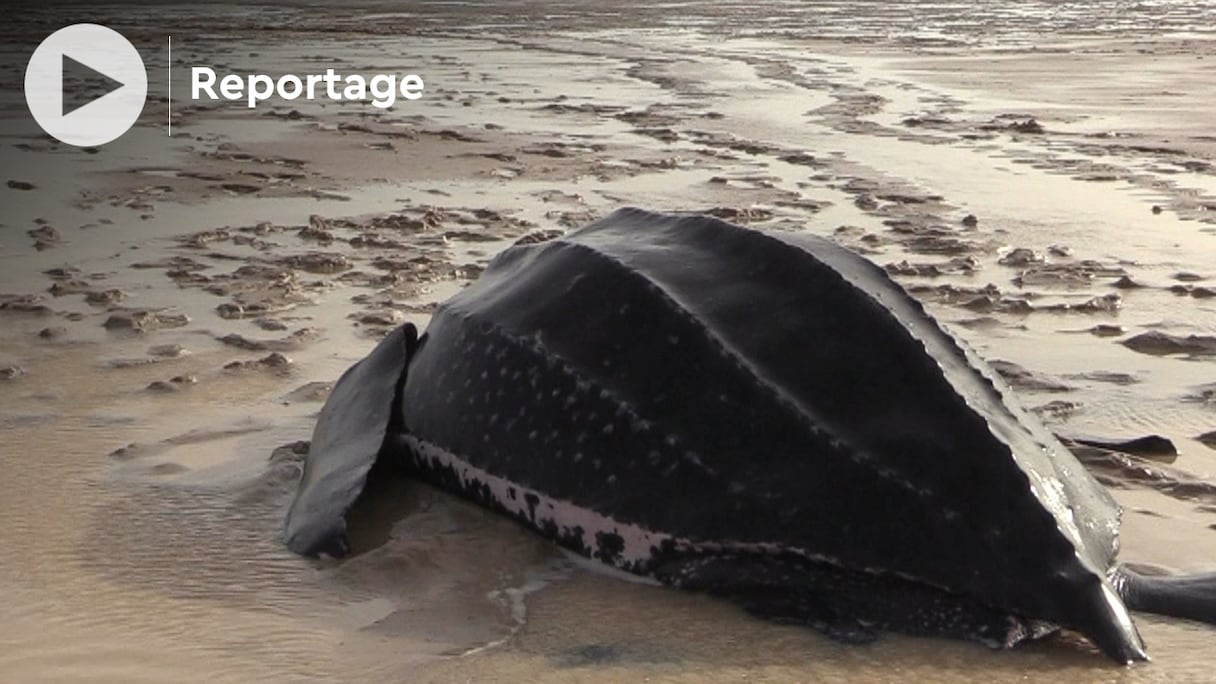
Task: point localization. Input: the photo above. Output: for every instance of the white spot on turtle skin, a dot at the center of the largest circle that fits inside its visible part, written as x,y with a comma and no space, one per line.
608,429
638,543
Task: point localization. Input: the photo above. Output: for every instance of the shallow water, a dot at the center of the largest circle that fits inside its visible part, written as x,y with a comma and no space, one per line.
141,527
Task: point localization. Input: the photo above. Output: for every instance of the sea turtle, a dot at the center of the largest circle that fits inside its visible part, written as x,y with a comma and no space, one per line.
765,416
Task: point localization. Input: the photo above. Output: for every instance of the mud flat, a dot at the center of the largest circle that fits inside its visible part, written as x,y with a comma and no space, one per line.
174,310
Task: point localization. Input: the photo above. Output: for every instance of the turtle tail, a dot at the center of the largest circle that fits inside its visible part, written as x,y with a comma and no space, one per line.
1103,617
1190,597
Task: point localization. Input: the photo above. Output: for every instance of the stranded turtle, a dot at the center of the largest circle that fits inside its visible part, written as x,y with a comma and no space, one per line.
762,416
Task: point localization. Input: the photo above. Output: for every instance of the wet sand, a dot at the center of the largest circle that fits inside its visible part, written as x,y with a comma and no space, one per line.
173,310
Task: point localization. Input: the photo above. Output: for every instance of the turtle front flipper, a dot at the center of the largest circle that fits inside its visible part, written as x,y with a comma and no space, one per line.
354,428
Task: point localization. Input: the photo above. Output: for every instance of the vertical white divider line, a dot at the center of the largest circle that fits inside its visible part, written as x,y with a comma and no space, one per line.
170,68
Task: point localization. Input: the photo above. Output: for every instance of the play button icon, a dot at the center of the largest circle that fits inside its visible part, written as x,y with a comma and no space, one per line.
74,71
86,85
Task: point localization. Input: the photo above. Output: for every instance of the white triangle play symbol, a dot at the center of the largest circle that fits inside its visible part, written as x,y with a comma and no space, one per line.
78,72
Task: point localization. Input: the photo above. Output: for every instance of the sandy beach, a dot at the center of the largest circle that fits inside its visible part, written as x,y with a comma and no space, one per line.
174,309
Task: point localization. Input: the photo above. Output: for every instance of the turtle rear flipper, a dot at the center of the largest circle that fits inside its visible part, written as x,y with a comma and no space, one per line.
1190,597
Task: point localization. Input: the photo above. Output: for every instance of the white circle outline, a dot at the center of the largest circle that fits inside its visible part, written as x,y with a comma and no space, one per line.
108,117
